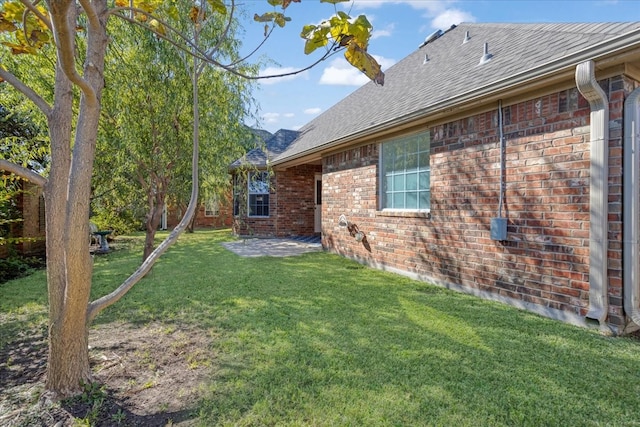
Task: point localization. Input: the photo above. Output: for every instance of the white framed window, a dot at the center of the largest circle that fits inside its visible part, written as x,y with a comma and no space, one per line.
212,207
405,173
258,189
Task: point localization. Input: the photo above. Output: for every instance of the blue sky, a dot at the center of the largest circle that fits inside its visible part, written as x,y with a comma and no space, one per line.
399,28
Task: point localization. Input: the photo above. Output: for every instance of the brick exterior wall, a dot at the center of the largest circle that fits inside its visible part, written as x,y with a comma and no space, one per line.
223,220
291,205
545,259
31,205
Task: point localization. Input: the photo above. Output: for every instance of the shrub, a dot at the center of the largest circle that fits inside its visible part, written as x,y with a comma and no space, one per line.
16,266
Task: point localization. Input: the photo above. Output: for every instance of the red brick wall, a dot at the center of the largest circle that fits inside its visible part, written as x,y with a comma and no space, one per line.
545,260
295,192
223,220
31,205
291,205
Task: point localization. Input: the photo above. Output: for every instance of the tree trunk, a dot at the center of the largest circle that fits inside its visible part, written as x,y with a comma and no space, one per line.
67,194
192,223
154,217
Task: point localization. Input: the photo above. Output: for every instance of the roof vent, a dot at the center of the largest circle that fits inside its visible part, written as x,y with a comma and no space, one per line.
467,37
486,57
431,37
426,58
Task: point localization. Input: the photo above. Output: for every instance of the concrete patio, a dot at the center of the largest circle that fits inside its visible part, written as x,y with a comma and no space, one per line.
274,247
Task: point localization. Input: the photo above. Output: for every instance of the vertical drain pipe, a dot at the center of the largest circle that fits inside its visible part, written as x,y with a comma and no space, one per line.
598,192
631,200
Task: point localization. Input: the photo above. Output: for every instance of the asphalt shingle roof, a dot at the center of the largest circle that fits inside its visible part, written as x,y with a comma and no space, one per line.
274,145
452,69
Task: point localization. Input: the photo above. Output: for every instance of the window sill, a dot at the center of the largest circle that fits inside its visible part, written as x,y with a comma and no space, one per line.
405,214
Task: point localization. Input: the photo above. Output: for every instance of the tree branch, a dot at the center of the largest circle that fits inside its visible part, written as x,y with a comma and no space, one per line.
31,7
91,13
225,32
64,38
22,172
26,91
193,50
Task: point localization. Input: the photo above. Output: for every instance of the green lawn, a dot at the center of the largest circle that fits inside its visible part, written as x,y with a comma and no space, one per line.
319,340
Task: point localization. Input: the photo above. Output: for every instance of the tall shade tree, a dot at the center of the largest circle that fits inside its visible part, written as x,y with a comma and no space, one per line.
77,30
146,135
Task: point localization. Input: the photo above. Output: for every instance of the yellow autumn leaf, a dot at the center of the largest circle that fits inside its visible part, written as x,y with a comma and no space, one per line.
265,17
13,11
7,25
18,49
360,58
313,44
218,6
286,3
157,27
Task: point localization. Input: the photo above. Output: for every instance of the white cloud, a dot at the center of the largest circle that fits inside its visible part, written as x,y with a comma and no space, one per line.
274,71
385,32
433,6
275,118
271,117
449,17
368,4
441,12
341,73
311,111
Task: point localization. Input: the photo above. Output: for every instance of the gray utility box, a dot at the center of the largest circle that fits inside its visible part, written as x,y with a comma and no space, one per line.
498,228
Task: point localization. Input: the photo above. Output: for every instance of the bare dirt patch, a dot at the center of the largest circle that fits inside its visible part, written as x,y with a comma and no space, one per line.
148,375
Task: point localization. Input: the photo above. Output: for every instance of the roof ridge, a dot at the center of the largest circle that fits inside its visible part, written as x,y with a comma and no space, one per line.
560,27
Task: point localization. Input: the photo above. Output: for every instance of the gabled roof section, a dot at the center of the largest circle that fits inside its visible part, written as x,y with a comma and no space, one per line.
446,72
261,136
274,145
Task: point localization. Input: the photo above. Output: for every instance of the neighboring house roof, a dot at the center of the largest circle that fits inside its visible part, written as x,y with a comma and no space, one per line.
262,135
446,72
274,145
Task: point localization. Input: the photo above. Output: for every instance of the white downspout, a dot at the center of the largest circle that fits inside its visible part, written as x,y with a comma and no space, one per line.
598,242
631,200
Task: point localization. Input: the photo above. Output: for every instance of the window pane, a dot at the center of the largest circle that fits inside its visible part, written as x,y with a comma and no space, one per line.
406,173
259,183
398,200
398,183
387,151
412,161
398,164
412,181
412,146
412,200
424,160
425,200
425,180
258,205
388,155
388,183
423,142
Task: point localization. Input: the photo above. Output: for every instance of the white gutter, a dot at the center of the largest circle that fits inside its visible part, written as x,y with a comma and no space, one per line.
598,192
607,48
631,199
